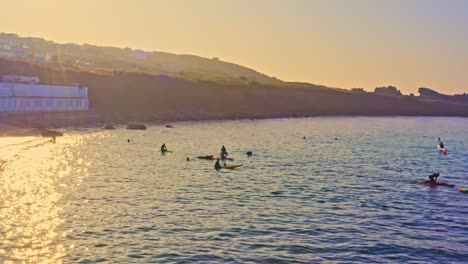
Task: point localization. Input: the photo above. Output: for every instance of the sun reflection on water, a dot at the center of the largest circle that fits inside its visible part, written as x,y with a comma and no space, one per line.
33,179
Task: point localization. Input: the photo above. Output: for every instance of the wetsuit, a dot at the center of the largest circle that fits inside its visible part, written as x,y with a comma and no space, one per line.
209,157
433,177
441,144
223,153
217,166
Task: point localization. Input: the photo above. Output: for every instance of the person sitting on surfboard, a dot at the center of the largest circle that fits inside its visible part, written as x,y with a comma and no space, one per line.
217,166
441,144
163,148
433,177
223,153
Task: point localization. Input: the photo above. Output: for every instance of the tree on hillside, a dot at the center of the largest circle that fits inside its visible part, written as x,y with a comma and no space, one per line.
358,90
389,90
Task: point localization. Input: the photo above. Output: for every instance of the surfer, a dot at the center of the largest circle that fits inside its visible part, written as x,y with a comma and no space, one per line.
441,144
223,153
209,157
217,166
163,148
433,177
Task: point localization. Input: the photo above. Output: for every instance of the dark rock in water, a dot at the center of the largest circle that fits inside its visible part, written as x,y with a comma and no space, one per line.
136,127
51,133
108,126
169,126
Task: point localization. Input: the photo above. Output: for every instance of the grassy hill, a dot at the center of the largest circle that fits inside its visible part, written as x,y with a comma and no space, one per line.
95,58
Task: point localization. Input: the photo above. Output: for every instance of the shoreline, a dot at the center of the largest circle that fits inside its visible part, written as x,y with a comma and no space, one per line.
13,127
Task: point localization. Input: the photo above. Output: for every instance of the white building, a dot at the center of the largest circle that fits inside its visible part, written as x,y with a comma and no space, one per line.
20,79
23,94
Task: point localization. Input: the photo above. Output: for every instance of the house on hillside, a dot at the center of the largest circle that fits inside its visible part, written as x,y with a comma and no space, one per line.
26,94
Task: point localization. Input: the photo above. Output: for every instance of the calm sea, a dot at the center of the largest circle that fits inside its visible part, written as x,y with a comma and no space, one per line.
94,197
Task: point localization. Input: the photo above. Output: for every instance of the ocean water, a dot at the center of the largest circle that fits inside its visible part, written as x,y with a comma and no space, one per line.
94,197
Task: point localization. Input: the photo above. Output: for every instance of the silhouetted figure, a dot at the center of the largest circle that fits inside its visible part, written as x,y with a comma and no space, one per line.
223,153
209,157
188,159
217,165
433,177
163,148
249,153
128,140
441,144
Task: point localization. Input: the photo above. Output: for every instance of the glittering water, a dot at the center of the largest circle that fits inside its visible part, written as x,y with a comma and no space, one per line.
95,197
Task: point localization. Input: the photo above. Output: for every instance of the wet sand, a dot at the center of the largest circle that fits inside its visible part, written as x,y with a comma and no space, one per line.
14,131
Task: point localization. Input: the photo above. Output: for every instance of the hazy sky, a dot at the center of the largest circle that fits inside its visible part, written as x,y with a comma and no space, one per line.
338,43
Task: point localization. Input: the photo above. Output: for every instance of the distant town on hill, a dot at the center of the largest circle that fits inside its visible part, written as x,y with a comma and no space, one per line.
126,84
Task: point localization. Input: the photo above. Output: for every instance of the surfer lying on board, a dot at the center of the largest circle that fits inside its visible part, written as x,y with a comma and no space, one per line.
433,177
209,157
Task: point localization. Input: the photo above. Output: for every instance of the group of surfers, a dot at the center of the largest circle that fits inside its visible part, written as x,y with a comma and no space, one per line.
223,156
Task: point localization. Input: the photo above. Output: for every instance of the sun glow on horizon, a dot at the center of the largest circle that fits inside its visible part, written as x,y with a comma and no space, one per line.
350,44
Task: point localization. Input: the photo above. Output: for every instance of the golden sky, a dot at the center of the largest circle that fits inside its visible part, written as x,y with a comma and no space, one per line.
338,43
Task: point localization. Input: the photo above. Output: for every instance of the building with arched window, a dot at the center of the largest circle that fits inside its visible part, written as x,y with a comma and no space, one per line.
25,94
